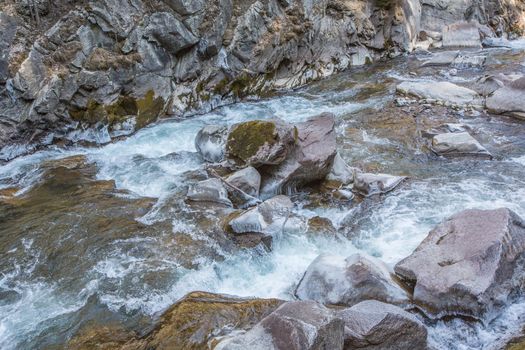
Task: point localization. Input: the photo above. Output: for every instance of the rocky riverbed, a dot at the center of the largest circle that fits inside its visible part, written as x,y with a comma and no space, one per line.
98,242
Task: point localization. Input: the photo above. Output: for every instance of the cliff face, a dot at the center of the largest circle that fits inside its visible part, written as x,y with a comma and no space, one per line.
71,65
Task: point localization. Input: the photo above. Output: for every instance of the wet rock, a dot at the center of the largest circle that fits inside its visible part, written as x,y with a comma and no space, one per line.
253,239
341,172
368,184
373,325
302,325
210,143
170,33
260,142
463,61
247,180
332,279
211,190
443,58
442,91
320,225
270,217
462,34
509,99
471,264
311,159
458,144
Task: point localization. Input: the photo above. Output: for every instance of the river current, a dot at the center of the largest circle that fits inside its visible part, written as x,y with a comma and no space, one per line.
102,233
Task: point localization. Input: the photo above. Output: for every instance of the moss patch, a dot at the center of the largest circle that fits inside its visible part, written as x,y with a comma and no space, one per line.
245,140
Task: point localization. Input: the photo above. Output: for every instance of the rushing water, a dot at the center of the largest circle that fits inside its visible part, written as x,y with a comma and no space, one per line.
103,234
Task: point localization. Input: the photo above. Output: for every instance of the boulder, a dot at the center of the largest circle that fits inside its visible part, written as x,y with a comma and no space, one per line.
509,99
169,32
341,172
373,325
443,58
458,144
301,325
247,180
260,142
211,190
310,160
270,217
471,264
210,143
371,184
462,34
442,91
463,61
332,279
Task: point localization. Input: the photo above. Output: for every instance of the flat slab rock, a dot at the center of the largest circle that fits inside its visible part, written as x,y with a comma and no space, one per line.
211,191
443,91
458,144
461,34
374,325
472,264
368,184
332,279
509,99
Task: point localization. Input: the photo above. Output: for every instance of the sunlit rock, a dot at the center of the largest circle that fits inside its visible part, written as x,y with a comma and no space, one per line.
211,190
373,325
332,279
509,99
471,264
442,91
458,144
301,325
371,184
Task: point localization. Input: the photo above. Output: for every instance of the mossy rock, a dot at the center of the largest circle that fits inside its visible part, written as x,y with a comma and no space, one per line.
259,142
146,110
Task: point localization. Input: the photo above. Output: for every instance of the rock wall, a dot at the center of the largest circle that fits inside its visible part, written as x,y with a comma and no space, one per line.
72,65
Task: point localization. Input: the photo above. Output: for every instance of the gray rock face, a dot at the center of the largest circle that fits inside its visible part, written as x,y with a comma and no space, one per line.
442,91
247,180
8,29
170,33
458,144
335,280
471,264
509,99
185,7
311,159
270,217
373,325
371,184
210,143
461,34
211,190
302,325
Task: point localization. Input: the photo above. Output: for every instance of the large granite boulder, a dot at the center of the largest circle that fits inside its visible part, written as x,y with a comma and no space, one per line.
509,99
311,159
442,91
260,142
302,325
471,264
458,144
247,180
332,279
210,143
373,325
368,184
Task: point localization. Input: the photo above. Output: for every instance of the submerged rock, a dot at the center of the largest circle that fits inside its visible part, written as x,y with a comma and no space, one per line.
373,325
458,144
210,143
462,34
442,91
509,99
371,184
332,279
301,325
260,142
471,264
310,160
211,190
